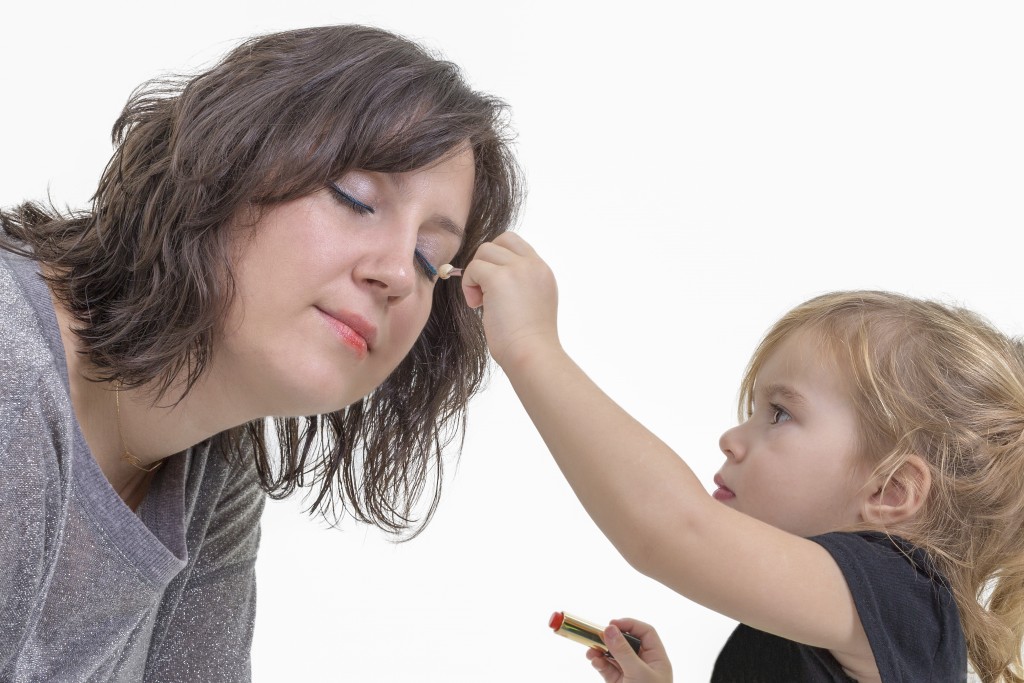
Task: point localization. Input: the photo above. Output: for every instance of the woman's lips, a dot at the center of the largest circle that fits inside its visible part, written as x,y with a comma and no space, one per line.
723,492
354,331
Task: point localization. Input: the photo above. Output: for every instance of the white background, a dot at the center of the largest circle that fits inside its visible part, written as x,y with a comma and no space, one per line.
691,176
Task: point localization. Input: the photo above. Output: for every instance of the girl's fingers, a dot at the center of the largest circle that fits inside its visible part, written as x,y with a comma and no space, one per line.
605,666
649,638
494,265
625,657
470,283
515,244
504,249
654,662
489,252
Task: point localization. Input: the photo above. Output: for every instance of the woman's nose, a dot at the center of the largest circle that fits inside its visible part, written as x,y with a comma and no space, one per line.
389,264
731,443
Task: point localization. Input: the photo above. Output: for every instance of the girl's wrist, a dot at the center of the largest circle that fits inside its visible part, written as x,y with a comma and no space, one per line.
533,353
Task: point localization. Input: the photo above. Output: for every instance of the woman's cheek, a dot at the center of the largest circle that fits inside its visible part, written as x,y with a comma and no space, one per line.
410,324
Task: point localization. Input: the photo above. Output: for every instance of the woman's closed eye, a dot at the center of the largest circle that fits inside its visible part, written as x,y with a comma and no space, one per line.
779,414
423,264
348,200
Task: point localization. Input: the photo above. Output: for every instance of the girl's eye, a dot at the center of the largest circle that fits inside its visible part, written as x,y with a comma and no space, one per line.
349,201
779,414
425,266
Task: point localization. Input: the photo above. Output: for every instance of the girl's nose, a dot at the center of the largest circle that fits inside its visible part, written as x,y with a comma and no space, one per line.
731,443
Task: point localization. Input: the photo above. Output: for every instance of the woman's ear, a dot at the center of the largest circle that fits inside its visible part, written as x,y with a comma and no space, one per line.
898,499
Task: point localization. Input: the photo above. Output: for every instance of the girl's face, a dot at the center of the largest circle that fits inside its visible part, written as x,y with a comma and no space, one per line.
795,462
331,288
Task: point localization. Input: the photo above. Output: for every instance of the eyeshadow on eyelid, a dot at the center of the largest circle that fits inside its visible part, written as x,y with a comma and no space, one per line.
431,271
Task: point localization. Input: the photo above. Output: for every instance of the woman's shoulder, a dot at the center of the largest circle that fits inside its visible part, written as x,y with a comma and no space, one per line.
223,470
34,391
29,336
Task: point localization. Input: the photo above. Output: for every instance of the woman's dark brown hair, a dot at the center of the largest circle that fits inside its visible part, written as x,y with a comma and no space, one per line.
146,272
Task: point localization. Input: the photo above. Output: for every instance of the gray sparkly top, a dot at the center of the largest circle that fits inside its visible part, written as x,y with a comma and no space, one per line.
89,590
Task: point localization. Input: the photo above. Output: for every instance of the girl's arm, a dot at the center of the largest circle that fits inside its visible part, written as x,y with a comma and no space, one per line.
644,498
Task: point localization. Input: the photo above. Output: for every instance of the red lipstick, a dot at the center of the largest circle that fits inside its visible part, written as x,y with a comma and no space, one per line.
355,331
585,632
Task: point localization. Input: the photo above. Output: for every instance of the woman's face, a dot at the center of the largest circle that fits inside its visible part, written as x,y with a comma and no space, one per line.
330,295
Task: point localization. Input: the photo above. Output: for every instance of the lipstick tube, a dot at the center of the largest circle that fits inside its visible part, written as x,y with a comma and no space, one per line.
585,632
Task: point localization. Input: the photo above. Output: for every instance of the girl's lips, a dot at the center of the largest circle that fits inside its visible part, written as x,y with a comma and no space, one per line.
723,492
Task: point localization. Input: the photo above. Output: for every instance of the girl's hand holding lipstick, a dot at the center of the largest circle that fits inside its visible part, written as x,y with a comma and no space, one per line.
519,297
651,666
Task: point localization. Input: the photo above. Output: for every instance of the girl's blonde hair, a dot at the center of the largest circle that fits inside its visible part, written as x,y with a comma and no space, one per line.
939,382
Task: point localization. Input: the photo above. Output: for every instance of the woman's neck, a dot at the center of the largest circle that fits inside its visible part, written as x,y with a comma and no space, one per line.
114,419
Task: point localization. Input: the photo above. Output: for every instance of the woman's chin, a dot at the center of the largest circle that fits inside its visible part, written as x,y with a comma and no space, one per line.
306,400
322,403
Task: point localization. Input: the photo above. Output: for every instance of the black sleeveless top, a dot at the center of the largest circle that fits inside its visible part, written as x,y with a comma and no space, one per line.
906,607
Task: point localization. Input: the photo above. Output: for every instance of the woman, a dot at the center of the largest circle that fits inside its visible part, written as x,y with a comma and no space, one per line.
262,243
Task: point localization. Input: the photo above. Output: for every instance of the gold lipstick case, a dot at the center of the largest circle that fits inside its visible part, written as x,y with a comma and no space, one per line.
585,632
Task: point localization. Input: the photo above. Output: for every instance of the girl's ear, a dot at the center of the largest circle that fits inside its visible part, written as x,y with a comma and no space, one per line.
898,499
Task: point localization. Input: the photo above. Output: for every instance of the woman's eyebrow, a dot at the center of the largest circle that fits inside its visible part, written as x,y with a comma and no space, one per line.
448,225
444,222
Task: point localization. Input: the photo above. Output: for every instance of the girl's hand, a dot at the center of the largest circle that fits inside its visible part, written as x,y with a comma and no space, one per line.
651,666
519,297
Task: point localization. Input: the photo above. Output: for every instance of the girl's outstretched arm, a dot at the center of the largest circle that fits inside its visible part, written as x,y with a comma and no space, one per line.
641,494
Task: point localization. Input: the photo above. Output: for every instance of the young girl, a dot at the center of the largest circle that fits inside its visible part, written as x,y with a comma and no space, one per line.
866,523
